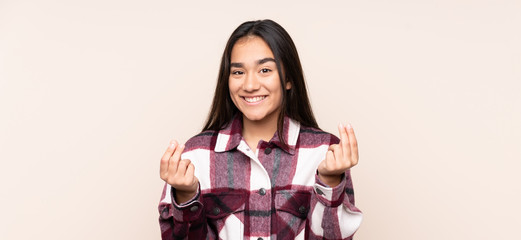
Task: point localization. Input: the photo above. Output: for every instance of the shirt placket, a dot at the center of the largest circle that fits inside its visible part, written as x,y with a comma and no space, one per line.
260,199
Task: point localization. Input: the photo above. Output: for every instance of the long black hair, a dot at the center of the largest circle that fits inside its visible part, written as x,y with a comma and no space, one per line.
295,101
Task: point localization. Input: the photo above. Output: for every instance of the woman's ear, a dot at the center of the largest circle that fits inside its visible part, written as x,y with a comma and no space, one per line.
288,85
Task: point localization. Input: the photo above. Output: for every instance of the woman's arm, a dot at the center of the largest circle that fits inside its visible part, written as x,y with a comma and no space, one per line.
181,211
333,213
181,221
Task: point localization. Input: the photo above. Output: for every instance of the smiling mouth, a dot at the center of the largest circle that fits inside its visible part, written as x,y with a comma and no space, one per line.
254,99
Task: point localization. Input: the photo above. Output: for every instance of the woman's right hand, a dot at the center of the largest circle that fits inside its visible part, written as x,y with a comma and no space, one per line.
179,173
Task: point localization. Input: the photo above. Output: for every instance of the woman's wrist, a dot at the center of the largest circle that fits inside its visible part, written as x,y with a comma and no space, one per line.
330,180
182,197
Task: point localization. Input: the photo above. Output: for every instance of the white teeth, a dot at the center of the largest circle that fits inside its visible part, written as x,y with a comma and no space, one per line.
254,99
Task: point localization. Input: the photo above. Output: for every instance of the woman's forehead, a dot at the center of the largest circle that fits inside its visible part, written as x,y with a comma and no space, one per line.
250,49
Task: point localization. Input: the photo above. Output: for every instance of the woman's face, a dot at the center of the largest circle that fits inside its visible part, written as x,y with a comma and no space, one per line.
254,81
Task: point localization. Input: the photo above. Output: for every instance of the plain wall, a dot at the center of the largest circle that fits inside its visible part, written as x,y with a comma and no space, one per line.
92,91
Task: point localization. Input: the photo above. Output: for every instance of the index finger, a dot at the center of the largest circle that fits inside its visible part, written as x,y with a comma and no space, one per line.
354,144
174,160
163,169
344,139
170,150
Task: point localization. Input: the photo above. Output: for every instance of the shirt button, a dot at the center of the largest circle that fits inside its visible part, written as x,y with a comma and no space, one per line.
262,191
302,209
319,192
164,213
267,150
216,211
194,208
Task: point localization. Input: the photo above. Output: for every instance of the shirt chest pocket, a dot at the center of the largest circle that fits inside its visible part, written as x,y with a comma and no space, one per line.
294,202
220,205
223,213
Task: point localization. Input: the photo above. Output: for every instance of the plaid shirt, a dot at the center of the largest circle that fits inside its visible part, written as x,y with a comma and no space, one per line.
274,193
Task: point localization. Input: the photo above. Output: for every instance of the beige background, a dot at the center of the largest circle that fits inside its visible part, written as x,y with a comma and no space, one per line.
92,91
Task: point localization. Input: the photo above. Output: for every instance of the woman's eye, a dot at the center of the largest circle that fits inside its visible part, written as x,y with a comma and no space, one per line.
237,72
265,70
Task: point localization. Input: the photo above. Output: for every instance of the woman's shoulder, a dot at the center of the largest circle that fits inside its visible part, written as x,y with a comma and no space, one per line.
315,136
203,140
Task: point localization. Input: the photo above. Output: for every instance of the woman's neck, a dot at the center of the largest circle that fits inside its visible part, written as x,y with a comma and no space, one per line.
254,131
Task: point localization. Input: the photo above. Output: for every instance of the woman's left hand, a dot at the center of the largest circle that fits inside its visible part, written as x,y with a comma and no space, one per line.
339,157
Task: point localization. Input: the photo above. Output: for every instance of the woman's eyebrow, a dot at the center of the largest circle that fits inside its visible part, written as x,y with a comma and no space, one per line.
237,65
259,62
265,60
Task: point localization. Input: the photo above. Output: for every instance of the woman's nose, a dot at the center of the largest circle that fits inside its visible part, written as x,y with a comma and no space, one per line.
251,83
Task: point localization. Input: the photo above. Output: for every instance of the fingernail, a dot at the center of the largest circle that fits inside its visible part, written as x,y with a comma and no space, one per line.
349,126
172,143
341,125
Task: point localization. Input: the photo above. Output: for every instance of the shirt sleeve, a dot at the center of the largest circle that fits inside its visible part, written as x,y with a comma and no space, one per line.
333,212
181,221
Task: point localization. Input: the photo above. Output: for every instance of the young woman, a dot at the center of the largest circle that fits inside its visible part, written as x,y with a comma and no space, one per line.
261,168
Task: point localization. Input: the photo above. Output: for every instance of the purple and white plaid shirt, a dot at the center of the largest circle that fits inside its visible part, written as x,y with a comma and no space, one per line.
273,193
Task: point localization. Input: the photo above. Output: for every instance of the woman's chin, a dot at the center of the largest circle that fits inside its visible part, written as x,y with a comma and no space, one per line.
260,117
254,117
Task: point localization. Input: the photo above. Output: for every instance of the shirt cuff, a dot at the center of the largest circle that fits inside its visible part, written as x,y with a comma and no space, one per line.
330,197
188,211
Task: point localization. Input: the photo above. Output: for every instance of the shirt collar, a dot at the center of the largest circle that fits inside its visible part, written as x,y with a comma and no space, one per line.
230,136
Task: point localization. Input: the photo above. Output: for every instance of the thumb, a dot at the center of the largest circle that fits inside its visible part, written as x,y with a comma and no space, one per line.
322,167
